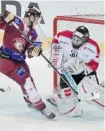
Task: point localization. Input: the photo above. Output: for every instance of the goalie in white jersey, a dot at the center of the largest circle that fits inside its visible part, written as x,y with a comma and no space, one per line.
80,55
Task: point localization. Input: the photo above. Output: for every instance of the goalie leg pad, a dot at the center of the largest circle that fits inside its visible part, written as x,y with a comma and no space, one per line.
88,87
67,102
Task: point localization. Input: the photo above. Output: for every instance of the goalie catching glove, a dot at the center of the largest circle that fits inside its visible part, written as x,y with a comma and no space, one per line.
76,66
34,51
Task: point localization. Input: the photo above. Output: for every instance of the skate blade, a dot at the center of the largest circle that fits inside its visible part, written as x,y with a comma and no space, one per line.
51,116
51,102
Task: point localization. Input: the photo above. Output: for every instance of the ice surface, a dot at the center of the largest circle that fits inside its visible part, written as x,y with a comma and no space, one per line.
15,116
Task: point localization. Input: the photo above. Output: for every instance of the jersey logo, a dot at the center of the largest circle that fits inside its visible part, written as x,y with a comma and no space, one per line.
18,21
88,49
67,92
19,44
57,48
64,42
20,71
73,53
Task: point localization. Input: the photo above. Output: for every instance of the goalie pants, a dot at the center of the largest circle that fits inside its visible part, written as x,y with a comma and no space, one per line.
20,73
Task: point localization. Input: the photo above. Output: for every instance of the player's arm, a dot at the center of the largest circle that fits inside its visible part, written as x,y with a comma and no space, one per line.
9,17
34,49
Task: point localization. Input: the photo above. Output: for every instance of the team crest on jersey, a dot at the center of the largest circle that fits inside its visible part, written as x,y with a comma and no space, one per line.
19,44
73,53
57,48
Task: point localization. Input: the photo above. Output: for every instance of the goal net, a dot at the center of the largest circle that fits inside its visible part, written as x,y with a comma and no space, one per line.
96,29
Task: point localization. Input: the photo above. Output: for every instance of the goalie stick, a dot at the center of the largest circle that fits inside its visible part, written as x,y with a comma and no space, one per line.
70,83
43,34
68,75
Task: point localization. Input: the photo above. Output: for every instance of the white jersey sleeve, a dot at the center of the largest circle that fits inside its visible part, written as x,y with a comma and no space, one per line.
56,55
61,48
89,53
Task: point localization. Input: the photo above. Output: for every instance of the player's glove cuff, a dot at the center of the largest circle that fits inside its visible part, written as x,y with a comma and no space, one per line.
34,51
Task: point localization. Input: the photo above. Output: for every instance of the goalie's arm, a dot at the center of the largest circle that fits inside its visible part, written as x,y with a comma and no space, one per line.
56,56
90,55
87,60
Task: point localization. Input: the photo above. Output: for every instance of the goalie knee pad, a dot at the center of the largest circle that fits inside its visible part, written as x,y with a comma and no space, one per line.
32,95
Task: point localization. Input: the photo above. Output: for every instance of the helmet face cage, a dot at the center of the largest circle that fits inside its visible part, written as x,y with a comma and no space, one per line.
80,36
32,11
76,41
84,31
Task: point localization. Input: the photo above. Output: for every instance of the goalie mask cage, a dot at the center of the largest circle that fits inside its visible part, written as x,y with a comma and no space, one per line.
94,24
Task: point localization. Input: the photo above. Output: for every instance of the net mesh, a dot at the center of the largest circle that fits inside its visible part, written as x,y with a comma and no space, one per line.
96,28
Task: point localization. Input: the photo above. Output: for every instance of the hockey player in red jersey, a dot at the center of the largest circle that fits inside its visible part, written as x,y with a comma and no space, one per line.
80,55
14,51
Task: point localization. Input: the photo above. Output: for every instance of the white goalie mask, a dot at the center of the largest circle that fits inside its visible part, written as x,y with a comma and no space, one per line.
80,36
76,41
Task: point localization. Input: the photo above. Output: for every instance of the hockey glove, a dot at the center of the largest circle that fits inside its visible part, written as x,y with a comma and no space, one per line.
34,51
8,17
74,66
87,70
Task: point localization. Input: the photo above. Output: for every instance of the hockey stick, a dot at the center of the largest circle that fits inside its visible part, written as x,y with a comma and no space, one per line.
16,26
43,34
71,83
67,73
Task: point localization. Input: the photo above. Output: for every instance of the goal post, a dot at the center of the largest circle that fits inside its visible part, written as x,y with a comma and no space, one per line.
95,26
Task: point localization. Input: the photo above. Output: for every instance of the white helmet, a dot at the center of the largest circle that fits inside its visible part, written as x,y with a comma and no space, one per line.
80,36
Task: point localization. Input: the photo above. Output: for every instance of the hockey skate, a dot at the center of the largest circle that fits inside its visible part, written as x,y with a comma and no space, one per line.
47,113
44,111
31,106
